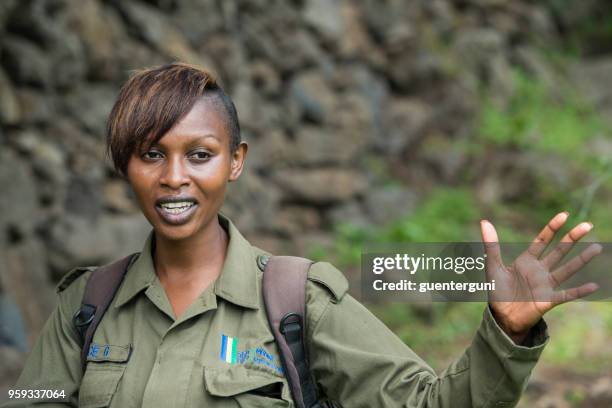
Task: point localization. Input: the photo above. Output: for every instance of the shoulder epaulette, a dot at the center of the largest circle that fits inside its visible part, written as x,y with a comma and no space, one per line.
71,276
330,277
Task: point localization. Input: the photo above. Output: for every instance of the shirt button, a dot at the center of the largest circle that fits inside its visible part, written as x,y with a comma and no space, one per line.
262,260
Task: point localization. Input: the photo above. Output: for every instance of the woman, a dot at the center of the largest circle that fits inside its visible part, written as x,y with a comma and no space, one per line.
174,134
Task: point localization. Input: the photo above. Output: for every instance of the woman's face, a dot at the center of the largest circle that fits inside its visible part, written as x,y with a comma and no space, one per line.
180,181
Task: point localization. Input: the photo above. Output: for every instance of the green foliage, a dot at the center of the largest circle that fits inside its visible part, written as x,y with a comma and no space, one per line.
535,120
446,216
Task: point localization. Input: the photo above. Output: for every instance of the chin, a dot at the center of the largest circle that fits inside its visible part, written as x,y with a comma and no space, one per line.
174,232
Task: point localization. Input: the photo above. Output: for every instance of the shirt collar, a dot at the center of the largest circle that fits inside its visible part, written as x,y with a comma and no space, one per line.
237,283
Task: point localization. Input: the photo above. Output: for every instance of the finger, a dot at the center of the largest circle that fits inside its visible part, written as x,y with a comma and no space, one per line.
567,295
566,244
547,234
576,263
490,241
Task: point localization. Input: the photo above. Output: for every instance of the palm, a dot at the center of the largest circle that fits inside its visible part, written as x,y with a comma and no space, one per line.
528,288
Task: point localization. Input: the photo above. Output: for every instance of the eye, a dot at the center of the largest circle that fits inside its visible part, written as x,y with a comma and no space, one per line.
152,155
200,155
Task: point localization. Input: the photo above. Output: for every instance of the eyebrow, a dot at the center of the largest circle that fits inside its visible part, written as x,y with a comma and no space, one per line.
194,141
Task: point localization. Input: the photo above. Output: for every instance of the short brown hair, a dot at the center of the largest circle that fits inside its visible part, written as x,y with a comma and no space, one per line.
152,101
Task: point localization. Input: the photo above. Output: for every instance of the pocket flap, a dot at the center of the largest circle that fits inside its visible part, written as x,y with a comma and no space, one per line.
235,380
109,352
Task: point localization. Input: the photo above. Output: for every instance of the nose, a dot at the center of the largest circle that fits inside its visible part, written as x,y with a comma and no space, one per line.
174,174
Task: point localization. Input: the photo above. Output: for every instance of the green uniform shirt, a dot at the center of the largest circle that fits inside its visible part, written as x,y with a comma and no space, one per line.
221,352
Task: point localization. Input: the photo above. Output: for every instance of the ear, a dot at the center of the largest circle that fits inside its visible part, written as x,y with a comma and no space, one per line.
238,158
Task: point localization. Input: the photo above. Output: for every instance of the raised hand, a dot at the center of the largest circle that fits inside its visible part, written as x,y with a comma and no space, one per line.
526,289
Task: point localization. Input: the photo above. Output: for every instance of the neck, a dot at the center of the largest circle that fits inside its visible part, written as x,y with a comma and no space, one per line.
199,257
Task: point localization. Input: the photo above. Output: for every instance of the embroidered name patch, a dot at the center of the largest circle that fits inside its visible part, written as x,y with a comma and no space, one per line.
255,355
108,352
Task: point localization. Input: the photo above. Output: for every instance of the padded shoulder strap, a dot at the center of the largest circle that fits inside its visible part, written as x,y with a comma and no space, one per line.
99,292
284,291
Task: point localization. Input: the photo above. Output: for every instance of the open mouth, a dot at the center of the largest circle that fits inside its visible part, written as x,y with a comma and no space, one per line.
176,208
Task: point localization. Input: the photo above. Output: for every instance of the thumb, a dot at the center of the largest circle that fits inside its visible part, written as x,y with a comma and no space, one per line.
490,242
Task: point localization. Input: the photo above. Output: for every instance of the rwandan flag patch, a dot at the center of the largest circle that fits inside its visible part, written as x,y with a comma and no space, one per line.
229,346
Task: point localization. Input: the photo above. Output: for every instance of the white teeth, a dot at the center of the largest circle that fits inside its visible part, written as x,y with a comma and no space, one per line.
178,205
177,208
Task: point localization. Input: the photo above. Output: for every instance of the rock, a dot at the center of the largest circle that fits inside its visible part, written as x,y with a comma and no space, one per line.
24,274
133,55
68,61
6,7
271,150
47,158
351,212
117,197
387,204
321,185
86,154
600,146
101,32
348,132
444,156
514,175
249,107
264,78
296,219
317,145
536,66
10,112
310,244
481,51
600,393
359,79
36,107
270,242
356,42
25,61
592,77
475,46
80,241
83,197
325,17
282,41
48,164
404,122
151,26
43,22
90,106
252,203
228,56
312,96
199,19
352,113
409,71
19,201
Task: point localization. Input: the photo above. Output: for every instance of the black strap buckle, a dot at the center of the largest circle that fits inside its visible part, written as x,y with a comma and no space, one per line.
290,322
83,318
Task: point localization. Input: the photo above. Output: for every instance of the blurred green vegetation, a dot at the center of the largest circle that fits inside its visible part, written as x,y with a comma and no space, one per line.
534,119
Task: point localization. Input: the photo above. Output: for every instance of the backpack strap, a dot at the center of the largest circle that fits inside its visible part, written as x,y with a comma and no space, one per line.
100,290
284,292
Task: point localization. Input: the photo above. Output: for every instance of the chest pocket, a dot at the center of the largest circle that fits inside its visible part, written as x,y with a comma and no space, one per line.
250,388
105,367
